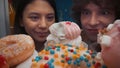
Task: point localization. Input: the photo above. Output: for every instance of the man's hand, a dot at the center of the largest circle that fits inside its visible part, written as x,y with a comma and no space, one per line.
111,53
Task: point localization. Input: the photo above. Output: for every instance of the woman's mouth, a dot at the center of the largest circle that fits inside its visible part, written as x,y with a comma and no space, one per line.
42,34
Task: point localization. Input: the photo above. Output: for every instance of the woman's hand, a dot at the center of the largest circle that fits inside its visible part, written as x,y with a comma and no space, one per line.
3,62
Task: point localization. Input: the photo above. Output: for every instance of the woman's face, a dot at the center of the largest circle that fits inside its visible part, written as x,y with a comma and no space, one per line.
37,17
94,18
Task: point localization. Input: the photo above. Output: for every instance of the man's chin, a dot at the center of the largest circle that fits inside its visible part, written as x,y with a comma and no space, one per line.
93,39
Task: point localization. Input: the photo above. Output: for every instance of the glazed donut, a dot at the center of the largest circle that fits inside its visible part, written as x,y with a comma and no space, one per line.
16,48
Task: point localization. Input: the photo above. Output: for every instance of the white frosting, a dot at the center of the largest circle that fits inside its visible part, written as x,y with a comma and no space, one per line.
27,63
98,56
106,39
65,32
109,27
117,22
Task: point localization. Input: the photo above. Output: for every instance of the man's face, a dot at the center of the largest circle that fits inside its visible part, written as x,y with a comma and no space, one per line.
94,18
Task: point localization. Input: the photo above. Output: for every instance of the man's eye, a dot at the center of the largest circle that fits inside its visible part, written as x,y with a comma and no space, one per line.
85,12
105,12
34,18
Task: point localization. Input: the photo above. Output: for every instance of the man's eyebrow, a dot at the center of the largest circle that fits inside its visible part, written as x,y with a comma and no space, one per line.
106,8
34,13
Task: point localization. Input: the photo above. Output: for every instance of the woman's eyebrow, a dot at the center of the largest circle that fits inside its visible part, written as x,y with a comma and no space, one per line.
51,14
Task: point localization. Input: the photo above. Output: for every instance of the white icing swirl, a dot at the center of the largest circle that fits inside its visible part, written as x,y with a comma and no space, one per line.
65,32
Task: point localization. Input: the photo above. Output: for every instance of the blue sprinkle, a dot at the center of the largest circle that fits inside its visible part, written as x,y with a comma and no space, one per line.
75,63
69,62
51,66
87,51
49,47
52,60
88,65
81,58
78,60
58,49
58,46
93,55
49,63
74,52
86,60
52,51
38,58
68,45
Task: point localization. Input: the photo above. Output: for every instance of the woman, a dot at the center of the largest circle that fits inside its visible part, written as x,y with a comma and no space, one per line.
34,17
92,15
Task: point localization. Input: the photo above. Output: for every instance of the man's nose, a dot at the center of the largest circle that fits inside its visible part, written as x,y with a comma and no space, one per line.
93,20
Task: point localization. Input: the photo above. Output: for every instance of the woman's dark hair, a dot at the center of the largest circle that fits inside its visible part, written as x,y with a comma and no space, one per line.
19,6
78,5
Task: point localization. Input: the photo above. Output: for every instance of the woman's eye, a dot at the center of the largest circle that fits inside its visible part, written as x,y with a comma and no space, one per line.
50,18
34,18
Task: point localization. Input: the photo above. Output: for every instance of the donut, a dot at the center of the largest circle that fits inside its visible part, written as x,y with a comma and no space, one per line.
67,56
16,48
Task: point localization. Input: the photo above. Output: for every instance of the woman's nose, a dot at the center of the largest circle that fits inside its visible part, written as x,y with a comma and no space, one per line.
42,23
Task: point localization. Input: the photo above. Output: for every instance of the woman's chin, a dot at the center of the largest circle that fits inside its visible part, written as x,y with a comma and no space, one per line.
40,39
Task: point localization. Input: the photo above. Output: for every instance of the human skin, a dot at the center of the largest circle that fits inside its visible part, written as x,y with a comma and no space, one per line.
110,54
37,17
94,18
3,62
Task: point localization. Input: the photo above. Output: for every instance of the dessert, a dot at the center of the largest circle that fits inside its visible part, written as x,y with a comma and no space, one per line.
65,49
27,63
65,32
67,56
16,48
